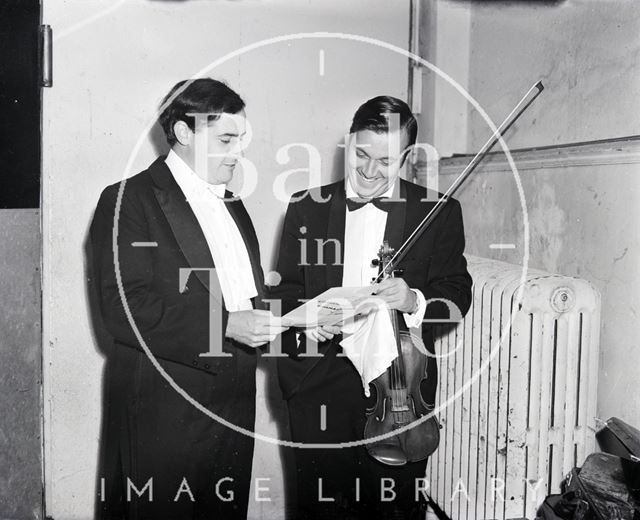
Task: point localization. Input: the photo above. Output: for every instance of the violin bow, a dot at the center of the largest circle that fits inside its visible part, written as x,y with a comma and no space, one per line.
513,116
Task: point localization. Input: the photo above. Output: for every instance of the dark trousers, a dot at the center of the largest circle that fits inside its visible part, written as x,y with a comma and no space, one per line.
198,469
344,482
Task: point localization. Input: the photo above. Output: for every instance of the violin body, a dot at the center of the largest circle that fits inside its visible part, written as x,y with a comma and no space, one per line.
399,402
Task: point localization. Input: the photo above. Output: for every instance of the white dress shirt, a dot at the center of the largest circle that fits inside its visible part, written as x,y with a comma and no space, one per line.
228,250
363,235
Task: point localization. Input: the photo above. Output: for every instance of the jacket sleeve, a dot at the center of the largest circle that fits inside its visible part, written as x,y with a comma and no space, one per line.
174,326
291,289
448,278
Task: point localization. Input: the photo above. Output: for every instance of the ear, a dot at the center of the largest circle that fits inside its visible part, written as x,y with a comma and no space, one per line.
183,133
350,142
405,153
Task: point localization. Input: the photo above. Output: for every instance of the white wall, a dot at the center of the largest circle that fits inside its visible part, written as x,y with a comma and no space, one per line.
586,52
582,206
444,42
113,62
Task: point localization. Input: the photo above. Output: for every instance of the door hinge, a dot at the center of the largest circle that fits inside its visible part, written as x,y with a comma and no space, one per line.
46,56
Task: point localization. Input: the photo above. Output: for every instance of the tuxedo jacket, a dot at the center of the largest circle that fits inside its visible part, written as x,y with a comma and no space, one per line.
149,428
435,264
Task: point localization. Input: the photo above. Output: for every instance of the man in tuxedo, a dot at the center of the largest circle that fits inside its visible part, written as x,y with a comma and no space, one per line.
183,279
330,236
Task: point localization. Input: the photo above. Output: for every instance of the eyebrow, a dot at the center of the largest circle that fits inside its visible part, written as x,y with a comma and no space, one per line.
232,134
361,146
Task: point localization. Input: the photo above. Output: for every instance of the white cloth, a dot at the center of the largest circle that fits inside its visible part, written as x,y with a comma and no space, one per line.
369,342
228,250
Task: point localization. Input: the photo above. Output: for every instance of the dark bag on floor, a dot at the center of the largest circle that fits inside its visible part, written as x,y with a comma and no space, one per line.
605,488
567,506
619,438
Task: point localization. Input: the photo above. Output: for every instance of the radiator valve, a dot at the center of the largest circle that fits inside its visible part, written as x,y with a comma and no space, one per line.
562,299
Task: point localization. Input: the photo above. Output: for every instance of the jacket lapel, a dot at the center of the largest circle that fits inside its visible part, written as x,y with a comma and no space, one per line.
396,218
335,230
182,221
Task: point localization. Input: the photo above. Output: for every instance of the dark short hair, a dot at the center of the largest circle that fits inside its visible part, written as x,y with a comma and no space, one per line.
200,96
371,116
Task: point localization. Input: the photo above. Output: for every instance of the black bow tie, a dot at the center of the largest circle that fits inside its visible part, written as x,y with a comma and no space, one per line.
382,203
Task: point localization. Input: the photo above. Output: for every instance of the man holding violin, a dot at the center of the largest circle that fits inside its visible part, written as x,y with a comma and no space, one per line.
330,236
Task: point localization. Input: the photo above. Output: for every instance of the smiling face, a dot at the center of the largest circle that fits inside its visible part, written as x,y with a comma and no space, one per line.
374,161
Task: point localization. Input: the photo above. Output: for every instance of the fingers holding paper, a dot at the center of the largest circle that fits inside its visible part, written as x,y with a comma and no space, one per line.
254,328
323,333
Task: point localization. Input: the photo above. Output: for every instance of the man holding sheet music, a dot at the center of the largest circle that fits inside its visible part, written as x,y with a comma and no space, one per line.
330,236
187,264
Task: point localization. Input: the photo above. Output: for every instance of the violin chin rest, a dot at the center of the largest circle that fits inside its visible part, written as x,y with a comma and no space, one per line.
389,454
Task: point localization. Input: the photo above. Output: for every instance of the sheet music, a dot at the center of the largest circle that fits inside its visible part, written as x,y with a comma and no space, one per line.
333,306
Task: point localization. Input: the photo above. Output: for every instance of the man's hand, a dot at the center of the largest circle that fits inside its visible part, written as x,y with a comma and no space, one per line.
396,294
323,333
253,328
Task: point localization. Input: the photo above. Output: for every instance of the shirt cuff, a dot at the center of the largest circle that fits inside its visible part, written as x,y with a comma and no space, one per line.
414,319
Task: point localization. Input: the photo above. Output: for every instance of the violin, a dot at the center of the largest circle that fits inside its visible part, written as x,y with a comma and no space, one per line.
399,404
399,401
